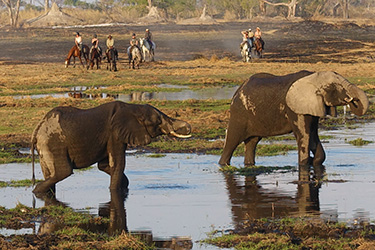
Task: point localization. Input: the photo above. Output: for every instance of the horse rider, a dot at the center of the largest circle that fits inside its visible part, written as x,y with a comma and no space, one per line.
251,38
95,45
78,41
258,35
148,38
111,45
133,42
246,39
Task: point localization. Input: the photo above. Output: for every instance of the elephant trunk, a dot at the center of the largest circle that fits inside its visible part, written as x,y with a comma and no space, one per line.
359,102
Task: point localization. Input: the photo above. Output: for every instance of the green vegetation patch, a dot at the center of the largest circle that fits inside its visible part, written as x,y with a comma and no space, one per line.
254,170
18,183
359,142
71,230
296,233
9,154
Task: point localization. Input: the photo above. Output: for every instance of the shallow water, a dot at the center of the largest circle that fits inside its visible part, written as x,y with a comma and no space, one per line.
187,195
214,93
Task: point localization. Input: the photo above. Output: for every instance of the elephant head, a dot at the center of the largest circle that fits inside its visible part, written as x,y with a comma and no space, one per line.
140,123
316,93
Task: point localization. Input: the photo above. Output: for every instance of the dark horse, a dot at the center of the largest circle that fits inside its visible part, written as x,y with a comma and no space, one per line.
135,57
258,48
75,52
95,58
111,59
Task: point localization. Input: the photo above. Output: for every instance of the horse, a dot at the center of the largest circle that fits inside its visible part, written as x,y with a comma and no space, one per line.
147,49
258,48
245,52
75,52
135,57
111,59
95,58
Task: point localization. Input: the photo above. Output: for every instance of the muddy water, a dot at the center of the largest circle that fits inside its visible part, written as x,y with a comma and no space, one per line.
187,195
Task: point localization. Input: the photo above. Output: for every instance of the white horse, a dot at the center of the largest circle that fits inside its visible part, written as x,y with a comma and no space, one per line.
245,53
147,51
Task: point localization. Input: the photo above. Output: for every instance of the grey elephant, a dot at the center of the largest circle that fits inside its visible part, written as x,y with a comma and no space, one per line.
69,138
269,105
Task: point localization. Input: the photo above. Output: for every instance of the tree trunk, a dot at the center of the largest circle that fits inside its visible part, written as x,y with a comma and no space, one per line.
262,7
291,7
13,12
46,6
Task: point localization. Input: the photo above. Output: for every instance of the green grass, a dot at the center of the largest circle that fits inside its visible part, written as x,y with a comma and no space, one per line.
359,142
295,233
254,170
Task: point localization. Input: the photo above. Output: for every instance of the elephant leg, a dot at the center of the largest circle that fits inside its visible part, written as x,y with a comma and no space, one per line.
55,167
116,159
250,147
301,129
315,144
232,140
103,165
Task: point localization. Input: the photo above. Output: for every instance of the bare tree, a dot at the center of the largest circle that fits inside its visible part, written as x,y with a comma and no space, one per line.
345,8
13,10
291,7
46,5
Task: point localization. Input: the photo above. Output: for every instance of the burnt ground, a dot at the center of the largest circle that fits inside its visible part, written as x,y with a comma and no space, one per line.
306,41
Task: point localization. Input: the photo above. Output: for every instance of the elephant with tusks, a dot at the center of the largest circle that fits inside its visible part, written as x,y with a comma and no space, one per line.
69,138
269,105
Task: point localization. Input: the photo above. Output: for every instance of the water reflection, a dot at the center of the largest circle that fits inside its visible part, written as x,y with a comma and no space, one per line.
116,212
249,200
215,93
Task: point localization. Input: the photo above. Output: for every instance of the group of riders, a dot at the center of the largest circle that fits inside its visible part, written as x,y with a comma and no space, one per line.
110,43
249,37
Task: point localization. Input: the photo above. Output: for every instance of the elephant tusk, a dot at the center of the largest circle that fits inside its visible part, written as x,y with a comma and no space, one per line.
348,99
179,136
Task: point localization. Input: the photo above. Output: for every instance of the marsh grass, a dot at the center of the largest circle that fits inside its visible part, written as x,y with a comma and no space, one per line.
18,183
255,170
359,142
295,233
72,231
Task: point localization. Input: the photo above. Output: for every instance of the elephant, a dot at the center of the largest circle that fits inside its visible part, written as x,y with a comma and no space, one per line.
70,138
270,105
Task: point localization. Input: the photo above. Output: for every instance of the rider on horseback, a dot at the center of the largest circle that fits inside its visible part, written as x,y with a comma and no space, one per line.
111,45
78,41
247,37
133,42
95,45
148,38
258,35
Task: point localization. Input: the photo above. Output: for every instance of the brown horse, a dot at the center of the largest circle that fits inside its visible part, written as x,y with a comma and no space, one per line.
75,52
95,58
258,48
111,59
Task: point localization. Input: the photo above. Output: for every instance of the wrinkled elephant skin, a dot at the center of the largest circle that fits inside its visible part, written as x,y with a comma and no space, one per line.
69,138
269,105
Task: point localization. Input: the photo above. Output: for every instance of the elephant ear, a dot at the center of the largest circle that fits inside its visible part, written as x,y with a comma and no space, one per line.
304,98
128,124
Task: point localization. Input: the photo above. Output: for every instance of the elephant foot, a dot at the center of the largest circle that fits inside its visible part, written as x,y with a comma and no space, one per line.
48,195
319,172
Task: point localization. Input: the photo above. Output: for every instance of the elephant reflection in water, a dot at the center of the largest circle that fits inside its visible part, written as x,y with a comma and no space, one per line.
251,201
114,210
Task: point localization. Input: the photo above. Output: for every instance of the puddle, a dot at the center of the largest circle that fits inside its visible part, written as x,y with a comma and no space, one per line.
215,93
185,195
